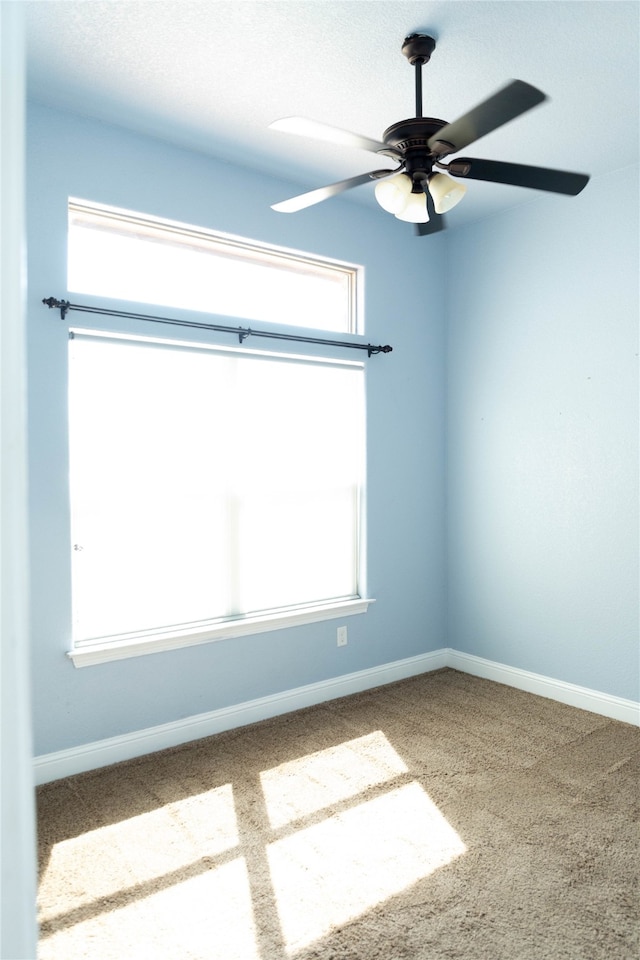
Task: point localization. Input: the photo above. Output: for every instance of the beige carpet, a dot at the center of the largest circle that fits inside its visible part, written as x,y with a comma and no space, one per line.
440,817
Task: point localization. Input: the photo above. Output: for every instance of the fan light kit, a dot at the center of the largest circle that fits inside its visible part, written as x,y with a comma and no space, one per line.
417,190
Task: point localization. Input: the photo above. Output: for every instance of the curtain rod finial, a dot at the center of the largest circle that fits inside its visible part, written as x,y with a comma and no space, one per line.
63,304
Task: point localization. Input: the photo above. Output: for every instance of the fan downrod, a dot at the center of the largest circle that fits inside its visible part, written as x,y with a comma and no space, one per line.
410,138
418,48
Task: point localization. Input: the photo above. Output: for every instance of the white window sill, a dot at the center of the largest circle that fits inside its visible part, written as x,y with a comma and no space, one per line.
137,645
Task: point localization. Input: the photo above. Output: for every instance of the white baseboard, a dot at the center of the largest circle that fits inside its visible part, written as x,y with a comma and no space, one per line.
90,756
616,708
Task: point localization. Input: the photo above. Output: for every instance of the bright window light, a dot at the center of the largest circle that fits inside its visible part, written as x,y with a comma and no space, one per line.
170,920
208,484
336,870
280,858
303,786
134,258
127,854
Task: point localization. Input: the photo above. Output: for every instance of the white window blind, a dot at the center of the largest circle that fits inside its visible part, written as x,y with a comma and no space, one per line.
208,484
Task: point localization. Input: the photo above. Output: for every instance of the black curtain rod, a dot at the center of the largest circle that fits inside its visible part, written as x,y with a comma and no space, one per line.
241,332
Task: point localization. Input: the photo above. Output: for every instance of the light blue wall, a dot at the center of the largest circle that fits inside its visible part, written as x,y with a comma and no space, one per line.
539,455
69,156
543,438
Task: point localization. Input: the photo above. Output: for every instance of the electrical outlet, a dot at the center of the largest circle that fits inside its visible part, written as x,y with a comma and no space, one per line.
342,636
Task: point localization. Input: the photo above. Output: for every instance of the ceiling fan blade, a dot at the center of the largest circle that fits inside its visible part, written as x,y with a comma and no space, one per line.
507,104
324,193
436,221
433,226
315,130
518,175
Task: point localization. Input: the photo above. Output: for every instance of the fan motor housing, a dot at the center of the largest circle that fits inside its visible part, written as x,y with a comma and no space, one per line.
416,131
411,138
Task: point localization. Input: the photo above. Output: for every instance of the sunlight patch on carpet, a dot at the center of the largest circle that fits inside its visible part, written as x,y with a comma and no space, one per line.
302,786
209,915
334,871
118,856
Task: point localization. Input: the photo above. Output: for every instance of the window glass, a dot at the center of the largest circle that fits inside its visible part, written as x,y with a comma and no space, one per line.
208,483
129,257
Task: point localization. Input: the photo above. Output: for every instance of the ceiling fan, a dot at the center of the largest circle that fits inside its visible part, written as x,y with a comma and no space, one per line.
415,190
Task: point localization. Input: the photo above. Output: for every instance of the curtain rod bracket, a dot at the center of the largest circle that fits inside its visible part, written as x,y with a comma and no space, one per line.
243,334
62,304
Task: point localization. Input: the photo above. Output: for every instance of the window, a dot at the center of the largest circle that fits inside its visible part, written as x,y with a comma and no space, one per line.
215,491
116,253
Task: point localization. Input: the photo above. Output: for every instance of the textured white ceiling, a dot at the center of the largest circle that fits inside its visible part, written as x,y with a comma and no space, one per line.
212,75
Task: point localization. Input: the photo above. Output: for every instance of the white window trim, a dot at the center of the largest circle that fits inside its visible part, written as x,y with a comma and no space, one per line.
137,645
157,640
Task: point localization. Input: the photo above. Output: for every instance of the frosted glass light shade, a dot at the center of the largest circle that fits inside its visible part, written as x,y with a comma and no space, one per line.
392,194
446,192
415,209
